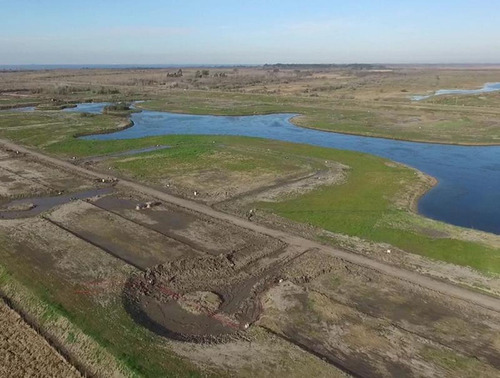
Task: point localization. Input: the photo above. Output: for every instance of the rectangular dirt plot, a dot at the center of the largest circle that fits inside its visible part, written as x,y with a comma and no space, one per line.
363,345
202,233
58,253
13,185
120,237
44,176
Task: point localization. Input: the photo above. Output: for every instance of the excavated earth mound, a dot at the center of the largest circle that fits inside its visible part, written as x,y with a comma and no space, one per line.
201,299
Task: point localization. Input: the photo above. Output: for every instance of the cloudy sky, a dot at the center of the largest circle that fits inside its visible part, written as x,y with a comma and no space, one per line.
249,32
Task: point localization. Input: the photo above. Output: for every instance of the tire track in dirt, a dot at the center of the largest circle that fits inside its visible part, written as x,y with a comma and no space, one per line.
277,184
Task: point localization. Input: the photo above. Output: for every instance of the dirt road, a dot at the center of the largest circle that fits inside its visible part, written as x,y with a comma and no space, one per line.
294,241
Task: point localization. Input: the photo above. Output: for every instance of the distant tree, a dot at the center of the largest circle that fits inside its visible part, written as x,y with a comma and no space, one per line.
205,72
175,74
198,74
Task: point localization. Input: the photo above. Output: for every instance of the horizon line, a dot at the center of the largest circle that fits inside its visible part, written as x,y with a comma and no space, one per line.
194,65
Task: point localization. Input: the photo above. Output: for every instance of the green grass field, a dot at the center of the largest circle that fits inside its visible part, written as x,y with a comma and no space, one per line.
190,155
364,206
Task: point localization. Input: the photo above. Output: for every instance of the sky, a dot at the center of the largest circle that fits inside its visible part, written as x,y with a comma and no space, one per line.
249,32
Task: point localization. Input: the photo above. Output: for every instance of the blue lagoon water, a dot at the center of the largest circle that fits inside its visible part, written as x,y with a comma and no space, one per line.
91,108
468,193
488,87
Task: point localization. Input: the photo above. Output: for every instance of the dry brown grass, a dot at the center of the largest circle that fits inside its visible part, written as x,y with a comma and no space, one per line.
25,353
395,84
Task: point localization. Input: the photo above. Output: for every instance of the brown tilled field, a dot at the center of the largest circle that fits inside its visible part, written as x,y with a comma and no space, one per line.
25,353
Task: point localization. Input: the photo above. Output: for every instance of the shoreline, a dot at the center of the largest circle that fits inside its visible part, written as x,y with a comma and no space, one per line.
396,138
428,181
295,115
126,125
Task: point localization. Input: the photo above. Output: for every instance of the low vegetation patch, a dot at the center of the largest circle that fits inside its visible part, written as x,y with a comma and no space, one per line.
55,105
120,108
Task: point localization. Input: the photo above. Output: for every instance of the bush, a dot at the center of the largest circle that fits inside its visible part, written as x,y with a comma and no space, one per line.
118,107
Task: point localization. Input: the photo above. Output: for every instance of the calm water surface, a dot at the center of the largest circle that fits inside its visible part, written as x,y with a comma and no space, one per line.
92,108
488,87
468,193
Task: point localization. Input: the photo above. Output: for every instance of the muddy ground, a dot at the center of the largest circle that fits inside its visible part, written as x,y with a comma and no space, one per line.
344,313
218,293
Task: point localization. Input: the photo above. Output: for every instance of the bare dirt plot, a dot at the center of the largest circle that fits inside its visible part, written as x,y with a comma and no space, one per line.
374,326
206,234
24,353
263,355
188,276
20,177
363,345
459,326
162,298
129,241
44,175
14,185
56,252
200,232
